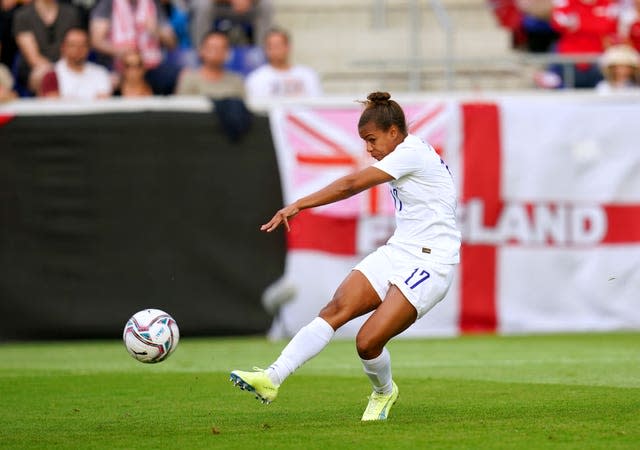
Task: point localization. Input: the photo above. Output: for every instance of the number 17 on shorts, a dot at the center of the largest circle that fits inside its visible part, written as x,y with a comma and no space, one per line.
416,278
425,288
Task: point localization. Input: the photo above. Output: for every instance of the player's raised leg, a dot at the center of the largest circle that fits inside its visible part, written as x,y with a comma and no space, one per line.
256,382
307,343
391,318
353,298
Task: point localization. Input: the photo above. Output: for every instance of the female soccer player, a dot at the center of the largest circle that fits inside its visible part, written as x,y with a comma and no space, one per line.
400,281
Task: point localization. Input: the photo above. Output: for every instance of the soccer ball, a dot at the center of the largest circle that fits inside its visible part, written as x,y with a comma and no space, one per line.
151,335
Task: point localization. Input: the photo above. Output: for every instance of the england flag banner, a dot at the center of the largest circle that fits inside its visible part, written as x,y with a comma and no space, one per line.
549,209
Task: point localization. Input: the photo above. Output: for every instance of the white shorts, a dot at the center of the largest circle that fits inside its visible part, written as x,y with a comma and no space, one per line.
423,281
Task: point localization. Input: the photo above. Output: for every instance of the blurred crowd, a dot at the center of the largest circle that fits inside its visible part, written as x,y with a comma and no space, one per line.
91,49
595,42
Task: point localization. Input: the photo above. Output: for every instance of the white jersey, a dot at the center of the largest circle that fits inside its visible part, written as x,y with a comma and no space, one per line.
266,82
425,200
92,82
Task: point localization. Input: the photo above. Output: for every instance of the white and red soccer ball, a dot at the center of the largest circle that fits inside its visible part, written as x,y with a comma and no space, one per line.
151,335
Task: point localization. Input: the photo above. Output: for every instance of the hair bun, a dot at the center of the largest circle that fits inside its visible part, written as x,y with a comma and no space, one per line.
379,97
383,113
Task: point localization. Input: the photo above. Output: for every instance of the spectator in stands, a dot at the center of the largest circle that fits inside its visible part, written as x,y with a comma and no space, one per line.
211,79
76,77
279,78
6,84
119,26
620,68
244,21
585,27
39,29
132,81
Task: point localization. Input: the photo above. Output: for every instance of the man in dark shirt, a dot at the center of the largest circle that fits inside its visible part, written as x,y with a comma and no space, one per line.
39,29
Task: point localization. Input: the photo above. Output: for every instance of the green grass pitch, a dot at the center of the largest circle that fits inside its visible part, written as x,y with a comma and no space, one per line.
577,391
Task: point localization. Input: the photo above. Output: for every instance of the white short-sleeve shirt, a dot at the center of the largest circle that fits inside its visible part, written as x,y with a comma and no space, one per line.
266,83
92,82
425,200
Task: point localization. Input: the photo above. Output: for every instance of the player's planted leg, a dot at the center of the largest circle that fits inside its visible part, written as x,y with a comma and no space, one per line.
380,404
392,317
385,391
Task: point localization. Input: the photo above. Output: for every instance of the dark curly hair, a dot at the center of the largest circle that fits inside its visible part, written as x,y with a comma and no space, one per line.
383,112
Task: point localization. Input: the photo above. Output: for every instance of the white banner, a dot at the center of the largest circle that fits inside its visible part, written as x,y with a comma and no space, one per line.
575,264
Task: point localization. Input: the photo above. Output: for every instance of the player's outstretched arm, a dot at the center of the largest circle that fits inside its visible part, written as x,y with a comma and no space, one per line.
340,189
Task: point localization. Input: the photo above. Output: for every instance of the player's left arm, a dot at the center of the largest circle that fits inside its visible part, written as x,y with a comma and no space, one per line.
342,188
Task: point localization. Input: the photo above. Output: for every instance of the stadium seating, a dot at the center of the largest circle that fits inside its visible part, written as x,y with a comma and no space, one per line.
357,47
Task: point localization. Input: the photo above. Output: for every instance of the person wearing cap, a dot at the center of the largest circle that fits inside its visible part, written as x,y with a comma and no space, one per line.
619,65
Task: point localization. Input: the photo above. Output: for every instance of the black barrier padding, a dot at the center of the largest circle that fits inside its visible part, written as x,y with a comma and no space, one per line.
103,215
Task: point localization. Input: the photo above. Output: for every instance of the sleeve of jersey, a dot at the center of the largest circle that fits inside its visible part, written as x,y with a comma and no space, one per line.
400,162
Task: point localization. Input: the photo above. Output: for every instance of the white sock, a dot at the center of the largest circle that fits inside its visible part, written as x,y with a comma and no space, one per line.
306,344
379,372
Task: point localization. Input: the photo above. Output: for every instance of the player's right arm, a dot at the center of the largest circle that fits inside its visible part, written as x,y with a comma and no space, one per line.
342,188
